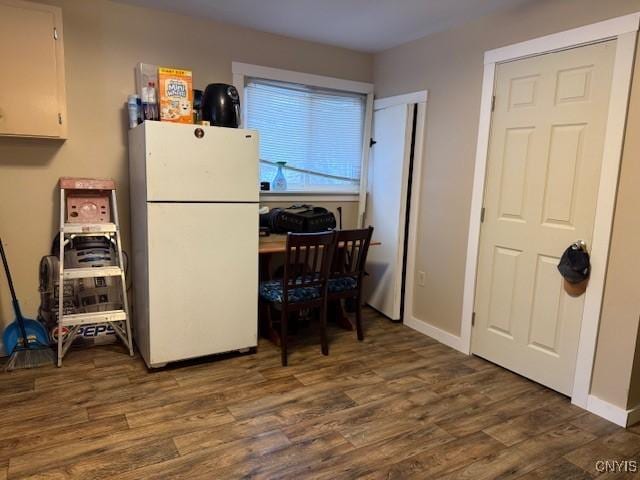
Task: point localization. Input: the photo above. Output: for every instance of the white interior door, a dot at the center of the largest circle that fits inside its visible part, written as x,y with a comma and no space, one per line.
545,155
386,207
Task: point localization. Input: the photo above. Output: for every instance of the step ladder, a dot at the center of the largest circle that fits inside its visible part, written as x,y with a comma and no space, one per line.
102,220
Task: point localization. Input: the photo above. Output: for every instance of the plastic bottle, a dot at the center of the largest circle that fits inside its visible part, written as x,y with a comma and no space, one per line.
149,102
134,107
279,183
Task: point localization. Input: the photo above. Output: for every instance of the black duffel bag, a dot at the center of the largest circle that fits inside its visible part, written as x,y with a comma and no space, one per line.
298,219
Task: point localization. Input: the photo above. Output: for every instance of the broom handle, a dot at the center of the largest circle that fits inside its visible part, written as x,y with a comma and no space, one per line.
7,272
14,298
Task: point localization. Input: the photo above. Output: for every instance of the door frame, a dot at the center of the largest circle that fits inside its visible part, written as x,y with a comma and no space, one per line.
624,29
418,98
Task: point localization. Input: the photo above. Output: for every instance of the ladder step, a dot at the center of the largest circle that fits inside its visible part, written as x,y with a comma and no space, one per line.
93,317
91,272
89,228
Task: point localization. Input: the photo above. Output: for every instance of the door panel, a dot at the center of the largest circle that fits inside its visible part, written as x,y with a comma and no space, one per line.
386,207
505,269
546,310
565,155
514,177
543,171
203,281
183,167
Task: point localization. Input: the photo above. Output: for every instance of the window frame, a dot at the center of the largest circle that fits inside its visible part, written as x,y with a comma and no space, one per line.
242,71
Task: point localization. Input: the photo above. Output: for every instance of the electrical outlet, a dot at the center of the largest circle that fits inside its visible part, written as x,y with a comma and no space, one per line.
421,278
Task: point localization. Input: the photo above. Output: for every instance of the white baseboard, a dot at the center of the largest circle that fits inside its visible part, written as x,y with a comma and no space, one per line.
438,334
613,413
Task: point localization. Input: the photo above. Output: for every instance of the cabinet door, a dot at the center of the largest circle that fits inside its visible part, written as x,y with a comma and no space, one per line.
32,95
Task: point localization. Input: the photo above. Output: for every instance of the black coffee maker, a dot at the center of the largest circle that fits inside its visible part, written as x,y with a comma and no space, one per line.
221,105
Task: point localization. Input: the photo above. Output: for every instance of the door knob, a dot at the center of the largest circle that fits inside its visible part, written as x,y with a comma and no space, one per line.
580,245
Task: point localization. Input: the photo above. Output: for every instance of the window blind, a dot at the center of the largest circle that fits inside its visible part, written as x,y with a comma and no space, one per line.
311,129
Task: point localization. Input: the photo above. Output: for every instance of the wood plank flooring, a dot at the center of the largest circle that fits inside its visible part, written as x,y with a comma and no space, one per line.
396,406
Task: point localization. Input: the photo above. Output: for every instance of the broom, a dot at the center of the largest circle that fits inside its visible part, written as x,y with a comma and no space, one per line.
31,347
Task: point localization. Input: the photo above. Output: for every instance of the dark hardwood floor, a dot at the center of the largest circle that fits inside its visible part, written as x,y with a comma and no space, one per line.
398,405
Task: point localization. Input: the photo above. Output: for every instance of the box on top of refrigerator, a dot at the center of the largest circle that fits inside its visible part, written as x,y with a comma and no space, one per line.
176,95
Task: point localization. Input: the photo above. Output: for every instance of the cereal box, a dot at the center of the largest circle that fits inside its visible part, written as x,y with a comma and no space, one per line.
176,95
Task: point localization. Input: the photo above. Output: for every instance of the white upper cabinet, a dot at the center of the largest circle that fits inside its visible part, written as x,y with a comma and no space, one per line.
32,84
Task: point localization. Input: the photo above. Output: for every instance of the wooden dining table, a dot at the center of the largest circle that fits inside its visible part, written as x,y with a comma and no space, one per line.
277,244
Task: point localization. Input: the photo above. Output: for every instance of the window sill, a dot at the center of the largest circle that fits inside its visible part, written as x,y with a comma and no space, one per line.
308,196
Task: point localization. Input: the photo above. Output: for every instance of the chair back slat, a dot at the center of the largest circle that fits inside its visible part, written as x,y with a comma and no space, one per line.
295,267
316,256
356,246
308,258
305,264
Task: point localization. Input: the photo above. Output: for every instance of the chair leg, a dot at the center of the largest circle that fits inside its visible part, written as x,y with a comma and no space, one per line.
323,329
359,318
283,335
269,328
262,318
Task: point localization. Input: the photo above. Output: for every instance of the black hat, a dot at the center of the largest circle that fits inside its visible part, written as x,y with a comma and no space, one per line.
574,264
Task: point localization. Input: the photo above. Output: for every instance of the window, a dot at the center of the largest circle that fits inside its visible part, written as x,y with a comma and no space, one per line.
318,133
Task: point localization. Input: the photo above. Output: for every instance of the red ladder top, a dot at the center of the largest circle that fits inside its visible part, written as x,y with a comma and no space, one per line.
76,183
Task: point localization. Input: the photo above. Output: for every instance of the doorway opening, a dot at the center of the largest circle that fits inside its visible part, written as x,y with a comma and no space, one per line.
394,165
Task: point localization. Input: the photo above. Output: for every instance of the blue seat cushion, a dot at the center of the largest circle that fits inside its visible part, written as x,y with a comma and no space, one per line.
342,284
272,291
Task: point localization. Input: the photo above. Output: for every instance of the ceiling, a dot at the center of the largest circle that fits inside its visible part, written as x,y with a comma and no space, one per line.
365,25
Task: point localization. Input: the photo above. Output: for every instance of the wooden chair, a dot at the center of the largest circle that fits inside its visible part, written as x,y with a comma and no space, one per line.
304,284
347,272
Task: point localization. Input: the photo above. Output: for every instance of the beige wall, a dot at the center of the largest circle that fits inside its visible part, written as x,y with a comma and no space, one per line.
103,42
450,66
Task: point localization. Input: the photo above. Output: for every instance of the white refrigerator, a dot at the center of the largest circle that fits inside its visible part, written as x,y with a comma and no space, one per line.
194,221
